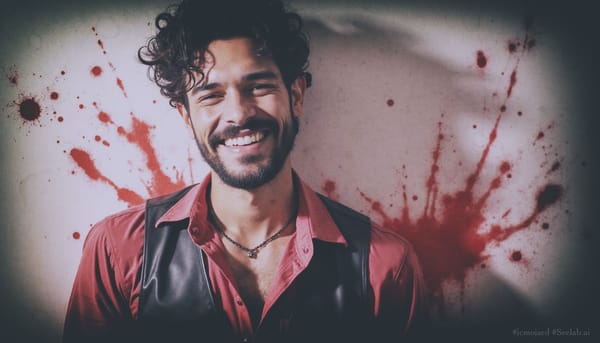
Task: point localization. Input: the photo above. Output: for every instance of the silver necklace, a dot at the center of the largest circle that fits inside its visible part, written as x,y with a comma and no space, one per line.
253,251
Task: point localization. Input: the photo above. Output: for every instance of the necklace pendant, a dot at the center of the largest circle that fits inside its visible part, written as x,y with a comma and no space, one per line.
252,253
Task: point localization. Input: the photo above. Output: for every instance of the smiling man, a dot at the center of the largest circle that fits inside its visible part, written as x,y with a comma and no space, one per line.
251,254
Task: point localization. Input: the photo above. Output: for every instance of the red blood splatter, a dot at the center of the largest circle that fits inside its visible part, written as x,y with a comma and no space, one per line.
100,44
96,71
105,143
390,102
104,117
120,84
76,235
154,101
512,47
415,198
54,95
531,44
555,167
519,113
81,106
516,256
474,126
448,229
98,138
62,72
29,109
85,162
504,167
61,119
329,189
539,136
545,226
140,136
481,59
13,77
513,81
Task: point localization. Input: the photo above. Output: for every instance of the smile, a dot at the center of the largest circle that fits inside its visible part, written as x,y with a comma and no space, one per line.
245,140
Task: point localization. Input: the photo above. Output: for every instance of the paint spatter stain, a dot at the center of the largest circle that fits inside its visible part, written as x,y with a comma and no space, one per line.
513,82
86,163
329,188
101,45
449,230
13,77
30,109
390,102
140,136
481,59
96,71
516,256
54,95
76,235
540,136
121,86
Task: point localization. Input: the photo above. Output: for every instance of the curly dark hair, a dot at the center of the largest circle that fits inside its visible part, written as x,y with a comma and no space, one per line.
176,52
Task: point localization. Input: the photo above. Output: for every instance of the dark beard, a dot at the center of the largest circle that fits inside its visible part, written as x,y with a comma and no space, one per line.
265,173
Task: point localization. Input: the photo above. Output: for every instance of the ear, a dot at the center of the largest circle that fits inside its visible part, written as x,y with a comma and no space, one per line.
183,112
297,91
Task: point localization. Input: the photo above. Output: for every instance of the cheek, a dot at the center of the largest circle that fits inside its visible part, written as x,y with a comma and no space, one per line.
204,123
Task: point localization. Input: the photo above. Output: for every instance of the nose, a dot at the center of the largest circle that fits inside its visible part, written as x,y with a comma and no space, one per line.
239,108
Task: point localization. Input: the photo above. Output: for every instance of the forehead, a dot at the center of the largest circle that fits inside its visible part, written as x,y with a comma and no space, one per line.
234,57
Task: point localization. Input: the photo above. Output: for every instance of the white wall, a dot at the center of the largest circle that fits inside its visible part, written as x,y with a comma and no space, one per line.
388,80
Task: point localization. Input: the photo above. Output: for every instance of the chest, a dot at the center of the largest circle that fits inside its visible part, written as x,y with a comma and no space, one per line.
254,277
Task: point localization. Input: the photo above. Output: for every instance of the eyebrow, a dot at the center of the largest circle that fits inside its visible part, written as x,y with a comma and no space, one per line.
260,75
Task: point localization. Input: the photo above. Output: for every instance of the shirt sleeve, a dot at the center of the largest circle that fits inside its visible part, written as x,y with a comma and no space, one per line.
97,303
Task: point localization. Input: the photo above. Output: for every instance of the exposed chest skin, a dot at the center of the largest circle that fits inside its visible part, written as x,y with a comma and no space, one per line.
254,276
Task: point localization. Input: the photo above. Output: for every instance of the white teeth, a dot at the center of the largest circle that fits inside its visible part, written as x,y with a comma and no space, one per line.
245,140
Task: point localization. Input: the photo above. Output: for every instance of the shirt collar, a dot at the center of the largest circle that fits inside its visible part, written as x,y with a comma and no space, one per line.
313,219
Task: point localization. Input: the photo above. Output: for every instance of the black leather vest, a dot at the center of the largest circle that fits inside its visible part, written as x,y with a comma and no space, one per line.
331,297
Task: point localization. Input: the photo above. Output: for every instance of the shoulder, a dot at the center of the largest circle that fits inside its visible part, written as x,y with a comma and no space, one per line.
118,227
390,250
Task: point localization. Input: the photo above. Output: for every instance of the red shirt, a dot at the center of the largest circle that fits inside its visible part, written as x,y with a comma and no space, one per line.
108,282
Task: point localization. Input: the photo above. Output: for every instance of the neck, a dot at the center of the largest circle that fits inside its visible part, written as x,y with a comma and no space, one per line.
255,214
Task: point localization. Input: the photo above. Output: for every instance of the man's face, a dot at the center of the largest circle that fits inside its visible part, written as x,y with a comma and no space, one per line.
242,115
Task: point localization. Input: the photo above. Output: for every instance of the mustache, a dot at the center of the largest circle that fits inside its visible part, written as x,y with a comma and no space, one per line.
256,124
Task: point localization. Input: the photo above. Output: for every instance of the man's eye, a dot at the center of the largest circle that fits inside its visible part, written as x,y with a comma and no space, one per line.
209,98
262,88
